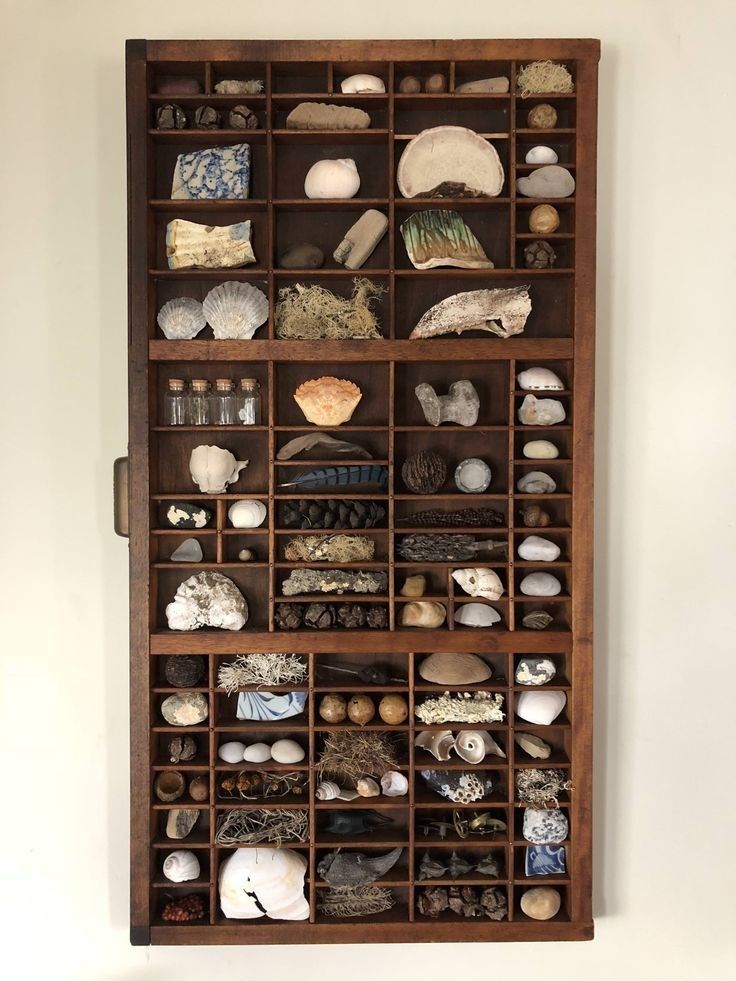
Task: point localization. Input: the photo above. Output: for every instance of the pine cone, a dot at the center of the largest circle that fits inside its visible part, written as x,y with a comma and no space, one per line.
332,514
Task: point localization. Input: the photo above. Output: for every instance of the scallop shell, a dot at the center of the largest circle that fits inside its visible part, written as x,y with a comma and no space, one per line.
235,310
438,742
247,513
181,319
394,784
327,401
181,866
476,615
470,746
327,790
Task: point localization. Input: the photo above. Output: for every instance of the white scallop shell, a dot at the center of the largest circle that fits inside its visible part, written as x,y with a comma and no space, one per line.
327,790
476,615
438,742
231,752
181,866
235,310
470,746
257,753
479,582
247,514
541,155
181,319
362,83
332,179
394,784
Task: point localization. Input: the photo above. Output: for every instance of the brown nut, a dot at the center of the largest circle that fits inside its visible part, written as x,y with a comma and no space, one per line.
361,709
393,709
333,708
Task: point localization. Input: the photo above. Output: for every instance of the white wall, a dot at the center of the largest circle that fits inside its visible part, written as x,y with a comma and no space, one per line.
665,480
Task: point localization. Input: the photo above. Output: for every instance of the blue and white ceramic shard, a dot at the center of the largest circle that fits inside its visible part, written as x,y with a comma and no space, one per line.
219,172
263,706
545,860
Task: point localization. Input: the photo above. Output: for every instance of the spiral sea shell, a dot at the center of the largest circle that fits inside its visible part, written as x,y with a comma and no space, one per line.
181,866
235,310
327,790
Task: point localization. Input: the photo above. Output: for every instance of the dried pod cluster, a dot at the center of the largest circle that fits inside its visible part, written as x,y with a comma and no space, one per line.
325,616
332,513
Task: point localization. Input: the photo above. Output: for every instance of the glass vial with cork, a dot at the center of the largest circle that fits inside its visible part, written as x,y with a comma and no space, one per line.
249,402
175,401
198,403
222,403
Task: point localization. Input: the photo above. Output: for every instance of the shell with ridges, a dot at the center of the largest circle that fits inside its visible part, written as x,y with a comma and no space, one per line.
327,790
328,401
476,615
470,746
181,319
438,742
235,310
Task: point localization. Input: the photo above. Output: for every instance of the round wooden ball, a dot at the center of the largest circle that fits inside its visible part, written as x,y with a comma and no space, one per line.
543,116
436,83
410,84
544,219
393,709
361,709
333,708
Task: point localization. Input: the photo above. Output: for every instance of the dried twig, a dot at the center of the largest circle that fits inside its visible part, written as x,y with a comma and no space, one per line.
261,669
241,826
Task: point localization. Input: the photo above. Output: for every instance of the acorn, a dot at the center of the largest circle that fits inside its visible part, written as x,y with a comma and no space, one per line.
361,709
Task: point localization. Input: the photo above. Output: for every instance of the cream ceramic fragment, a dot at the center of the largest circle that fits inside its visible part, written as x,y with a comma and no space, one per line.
214,469
541,412
499,311
193,246
438,237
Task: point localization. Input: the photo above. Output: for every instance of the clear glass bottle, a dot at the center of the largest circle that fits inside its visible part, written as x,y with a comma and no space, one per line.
198,403
175,402
249,402
222,403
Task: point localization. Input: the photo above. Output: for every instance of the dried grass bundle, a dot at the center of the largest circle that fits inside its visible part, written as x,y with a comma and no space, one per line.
313,312
261,669
251,826
544,77
352,755
355,900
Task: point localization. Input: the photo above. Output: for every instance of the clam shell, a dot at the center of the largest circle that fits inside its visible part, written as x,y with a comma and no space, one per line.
235,310
438,742
181,319
476,615
327,401
470,746
181,866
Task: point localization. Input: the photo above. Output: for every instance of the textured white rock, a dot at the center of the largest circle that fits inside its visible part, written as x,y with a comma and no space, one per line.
536,549
535,379
208,599
541,412
540,708
536,482
540,449
540,584
544,825
541,155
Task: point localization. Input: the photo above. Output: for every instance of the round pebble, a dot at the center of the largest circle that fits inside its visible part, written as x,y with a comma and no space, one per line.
231,752
257,753
541,903
540,449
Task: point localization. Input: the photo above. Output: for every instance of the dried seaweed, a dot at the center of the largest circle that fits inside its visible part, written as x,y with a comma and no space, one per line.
313,312
541,787
544,77
352,755
330,548
355,900
276,826
261,669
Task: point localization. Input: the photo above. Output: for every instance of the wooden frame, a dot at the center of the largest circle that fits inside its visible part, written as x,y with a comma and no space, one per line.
158,457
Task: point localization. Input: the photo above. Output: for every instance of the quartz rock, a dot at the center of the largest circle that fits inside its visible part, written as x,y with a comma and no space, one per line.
541,155
540,584
536,482
540,903
535,671
540,708
180,821
190,245
217,172
536,549
533,746
187,709
541,412
540,449
454,669
547,182
188,516
320,115
543,826
208,599
189,551
461,405
302,256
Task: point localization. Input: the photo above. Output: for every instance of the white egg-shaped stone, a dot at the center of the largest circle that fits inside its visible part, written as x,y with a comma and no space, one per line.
539,379
540,584
541,155
231,752
536,482
540,708
257,753
362,83
540,449
247,514
332,179
287,751
536,549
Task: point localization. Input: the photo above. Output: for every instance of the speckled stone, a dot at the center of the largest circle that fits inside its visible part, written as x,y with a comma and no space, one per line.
185,710
535,671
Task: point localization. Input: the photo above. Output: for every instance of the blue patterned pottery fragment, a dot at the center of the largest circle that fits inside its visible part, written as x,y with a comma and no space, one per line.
263,706
545,860
218,172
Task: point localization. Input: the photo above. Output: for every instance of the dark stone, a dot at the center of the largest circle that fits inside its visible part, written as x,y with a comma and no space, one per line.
170,116
207,117
288,616
184,670
241,117
377,618
188,516
320,616
302,256
178,85
539,255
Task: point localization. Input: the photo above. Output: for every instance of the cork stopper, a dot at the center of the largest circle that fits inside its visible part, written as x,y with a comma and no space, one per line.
249,384
224,385
176,384
200,384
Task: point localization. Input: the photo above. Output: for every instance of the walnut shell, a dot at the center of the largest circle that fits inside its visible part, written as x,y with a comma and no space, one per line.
424,472
333,708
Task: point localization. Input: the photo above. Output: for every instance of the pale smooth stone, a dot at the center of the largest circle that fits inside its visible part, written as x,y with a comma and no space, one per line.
541,412
231,752
497,84
287,751
540,584
332,179
545,826
536,482
547,182
189,551
536,379
247,514
535,671
257,753
536,549
541,155
533,745
541,903
540,708
540,449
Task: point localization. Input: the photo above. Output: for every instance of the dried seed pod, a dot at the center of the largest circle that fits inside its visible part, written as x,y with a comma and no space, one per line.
170,116
539,255
241,117
361,709
424,472
182,748
207,117
543,116
184,910
393,709
332,708
534,517
199,788
289,616
320,616
169,786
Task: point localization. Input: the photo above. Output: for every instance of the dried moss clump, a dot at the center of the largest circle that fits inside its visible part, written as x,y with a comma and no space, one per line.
330,548
313,312
543,77
352,755
261,669
355,900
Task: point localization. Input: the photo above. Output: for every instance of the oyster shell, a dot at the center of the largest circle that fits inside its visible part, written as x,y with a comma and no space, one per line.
235,310
258,881
327,401
477,310
181,319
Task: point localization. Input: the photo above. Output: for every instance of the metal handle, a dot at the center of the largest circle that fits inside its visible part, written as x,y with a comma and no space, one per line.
120,471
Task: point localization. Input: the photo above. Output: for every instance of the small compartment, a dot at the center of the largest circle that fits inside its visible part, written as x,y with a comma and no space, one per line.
502,149
339,514
340,672
379,539
256,542
295,158
474,71
371,379
454,447
497,775
374,443
542,878
351,612
248,732
474,855
211,371
161,898
319,596
427,761
564,107
223,660
365,827
498,701
325,229
491,117
252,583
338,479
172,475
168,151
396,737
345,286
489,378
398,873
448,916
422,70
489,225
241,71
471,826
199,835
194,135
559,738
395,699
398,913
299,76
214,216
162,74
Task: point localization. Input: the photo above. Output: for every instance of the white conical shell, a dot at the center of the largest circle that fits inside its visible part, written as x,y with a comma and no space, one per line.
213,468
367,787
181,866
181,319
247,514
332,179
394,784
256,879
470,746
235,310
476,615
327,790
479,582
438,742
